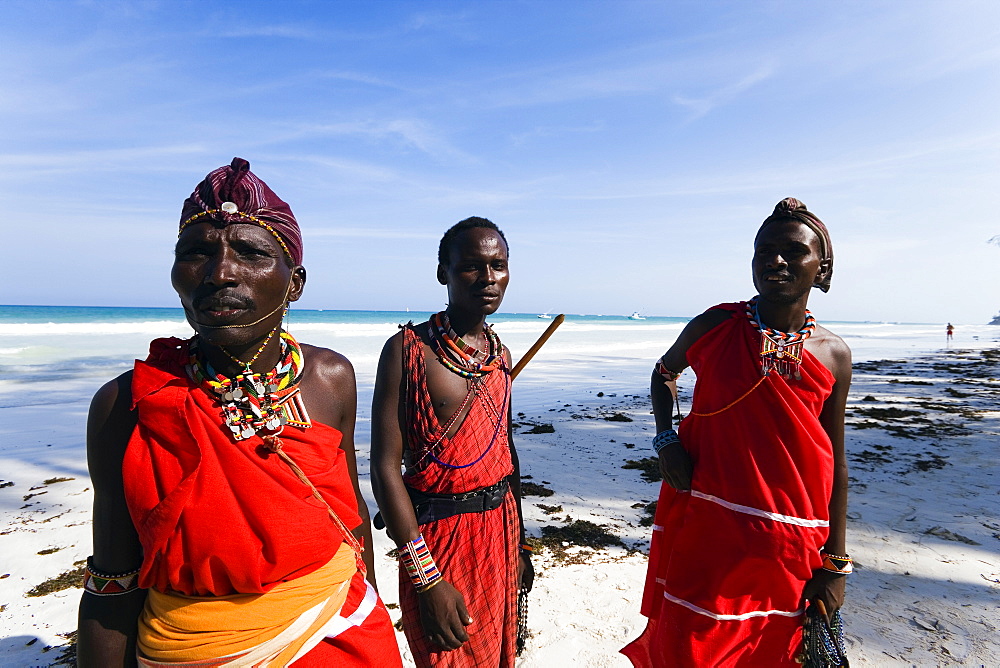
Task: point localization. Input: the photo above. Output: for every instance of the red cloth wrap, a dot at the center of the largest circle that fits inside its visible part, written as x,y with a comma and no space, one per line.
767,451
476,552
217,516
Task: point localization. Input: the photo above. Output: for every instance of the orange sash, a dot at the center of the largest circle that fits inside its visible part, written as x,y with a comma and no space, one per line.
272,629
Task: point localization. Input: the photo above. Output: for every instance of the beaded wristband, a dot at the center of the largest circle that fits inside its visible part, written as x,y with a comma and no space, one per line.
525,547
835,564
100,584
419,564
665,438
668,375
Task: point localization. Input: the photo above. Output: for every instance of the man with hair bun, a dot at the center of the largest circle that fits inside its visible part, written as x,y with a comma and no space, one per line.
229,528
441,410
750,524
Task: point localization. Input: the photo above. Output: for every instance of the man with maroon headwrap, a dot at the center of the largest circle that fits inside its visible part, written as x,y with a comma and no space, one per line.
750,523
229,528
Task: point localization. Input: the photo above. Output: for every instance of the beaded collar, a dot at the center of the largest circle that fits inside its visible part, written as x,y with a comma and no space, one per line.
458,356
255,403
780,351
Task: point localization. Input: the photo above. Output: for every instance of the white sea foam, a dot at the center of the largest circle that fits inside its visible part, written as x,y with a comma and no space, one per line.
152,327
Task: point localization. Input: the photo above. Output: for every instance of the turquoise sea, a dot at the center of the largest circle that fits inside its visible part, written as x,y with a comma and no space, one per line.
57,354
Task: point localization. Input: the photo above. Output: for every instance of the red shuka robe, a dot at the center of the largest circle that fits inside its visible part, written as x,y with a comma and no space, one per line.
476,552
217,516
729,559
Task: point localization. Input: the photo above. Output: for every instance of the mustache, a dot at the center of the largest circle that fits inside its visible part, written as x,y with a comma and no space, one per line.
222,301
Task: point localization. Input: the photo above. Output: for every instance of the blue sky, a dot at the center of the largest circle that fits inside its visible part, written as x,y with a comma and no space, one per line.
629,150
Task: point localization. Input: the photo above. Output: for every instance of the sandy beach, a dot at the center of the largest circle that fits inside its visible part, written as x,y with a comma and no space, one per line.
924,508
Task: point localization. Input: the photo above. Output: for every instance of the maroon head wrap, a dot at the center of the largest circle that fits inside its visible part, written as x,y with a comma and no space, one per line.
792,209
234,194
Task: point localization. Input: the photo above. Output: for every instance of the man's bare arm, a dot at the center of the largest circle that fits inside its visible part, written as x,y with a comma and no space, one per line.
824,584
108,624
442,607
675,463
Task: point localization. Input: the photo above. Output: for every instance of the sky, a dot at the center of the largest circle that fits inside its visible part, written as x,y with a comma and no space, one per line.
629,150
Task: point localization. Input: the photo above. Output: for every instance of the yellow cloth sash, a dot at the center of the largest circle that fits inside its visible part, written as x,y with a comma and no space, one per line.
271,629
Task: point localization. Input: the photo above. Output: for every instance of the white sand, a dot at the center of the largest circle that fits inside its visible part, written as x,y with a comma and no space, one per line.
917,598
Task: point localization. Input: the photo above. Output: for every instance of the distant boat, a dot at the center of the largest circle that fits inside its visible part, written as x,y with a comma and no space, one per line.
546,316
635,316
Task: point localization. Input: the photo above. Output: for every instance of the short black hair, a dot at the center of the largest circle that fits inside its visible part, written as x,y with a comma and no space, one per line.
469,223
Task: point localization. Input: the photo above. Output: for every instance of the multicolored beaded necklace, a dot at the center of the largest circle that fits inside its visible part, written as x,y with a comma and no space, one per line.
255,403
780,351
457,355
472,364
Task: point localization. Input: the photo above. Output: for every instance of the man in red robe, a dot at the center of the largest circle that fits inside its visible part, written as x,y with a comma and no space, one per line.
229,528
750,522
442,410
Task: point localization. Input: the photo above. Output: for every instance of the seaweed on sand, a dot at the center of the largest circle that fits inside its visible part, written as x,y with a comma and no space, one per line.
68,580
577,533
534,489
649,467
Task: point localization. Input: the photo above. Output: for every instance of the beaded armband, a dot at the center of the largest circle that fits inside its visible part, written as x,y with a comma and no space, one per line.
665,438
668,375
840,565
526,548
419,564
101,584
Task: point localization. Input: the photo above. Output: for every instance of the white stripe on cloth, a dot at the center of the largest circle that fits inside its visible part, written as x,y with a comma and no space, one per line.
338,624
748,510
746,615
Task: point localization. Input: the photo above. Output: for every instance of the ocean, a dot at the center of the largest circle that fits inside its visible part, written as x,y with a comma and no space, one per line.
52,355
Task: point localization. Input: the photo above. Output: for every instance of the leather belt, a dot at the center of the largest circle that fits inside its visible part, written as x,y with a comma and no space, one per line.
436,507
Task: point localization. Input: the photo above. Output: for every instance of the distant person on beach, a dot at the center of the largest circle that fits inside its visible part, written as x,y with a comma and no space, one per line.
229,527
950,332
441,411
750,523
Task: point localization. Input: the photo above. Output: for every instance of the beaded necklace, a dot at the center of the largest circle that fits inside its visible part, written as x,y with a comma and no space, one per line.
255,403
247,365
458,356
780,351
472,364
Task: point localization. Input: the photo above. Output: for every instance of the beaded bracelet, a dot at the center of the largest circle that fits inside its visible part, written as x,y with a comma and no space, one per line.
525,547
665,438
668,375
835,564
419,564
100,584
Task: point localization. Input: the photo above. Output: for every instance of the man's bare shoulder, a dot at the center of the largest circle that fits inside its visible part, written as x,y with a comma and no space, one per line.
835,346
111,397
327,365
705,322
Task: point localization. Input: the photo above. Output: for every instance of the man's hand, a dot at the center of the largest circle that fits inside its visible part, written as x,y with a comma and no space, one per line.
827,586
525,571
444,616
676,466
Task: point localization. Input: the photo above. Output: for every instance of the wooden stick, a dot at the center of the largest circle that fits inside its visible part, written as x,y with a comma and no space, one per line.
521,363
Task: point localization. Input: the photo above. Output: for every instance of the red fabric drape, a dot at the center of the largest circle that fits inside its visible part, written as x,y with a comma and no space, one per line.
729,560
475,552
217,516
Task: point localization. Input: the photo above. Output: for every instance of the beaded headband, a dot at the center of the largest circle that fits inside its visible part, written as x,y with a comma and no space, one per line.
232,211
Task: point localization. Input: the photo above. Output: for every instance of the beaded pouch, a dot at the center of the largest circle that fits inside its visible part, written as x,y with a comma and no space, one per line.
822,642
